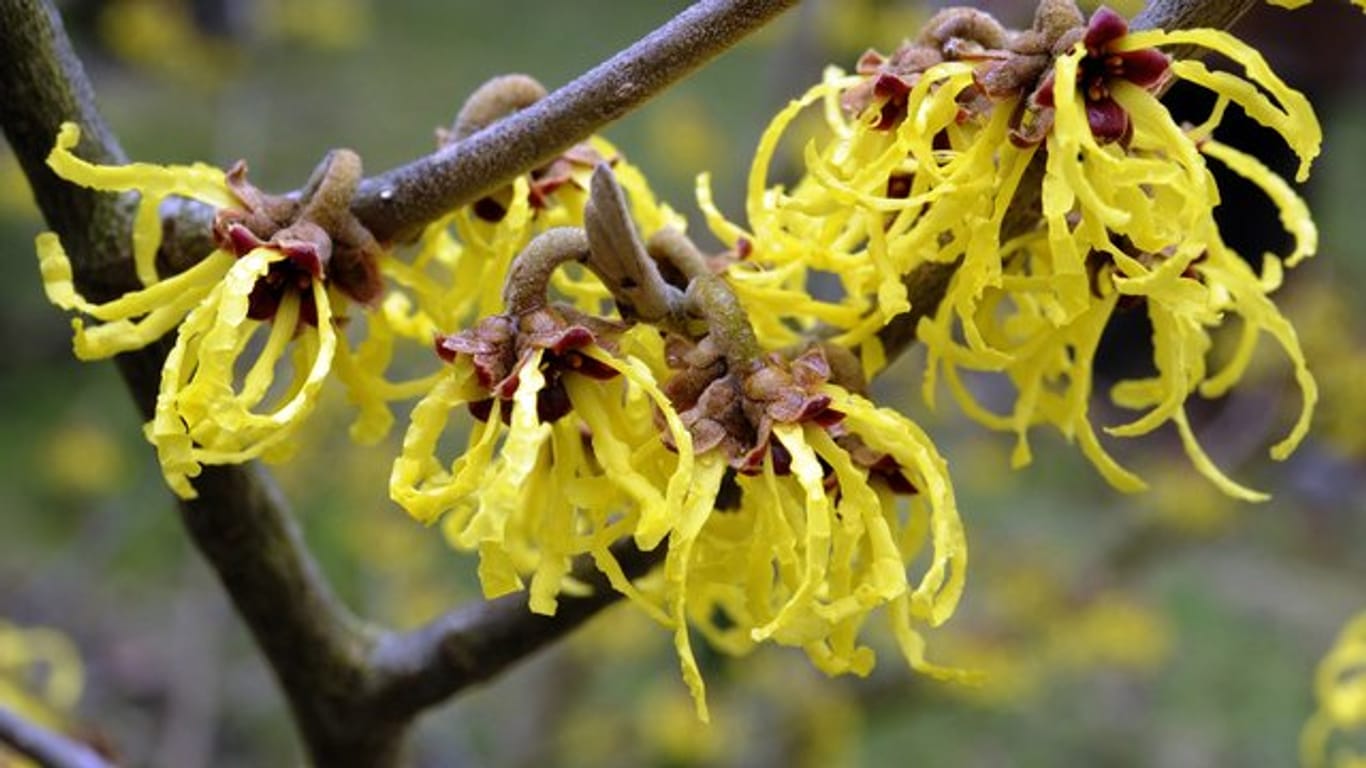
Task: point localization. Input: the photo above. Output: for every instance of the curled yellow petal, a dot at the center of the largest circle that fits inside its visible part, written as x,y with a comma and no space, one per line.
201,182
1291,116
1293,211
135,319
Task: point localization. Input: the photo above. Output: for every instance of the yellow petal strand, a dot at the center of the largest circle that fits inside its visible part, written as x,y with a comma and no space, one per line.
706,481
768,141
163,304
1206,466
199,181
1294,119
147,234
1173,333
886,573
593,402
937,595
1259,311
1293,211
502,493
818,518
912,645
167,431
726,232
208,344
656,521
247,435
418,482
262,372
362,373
554,530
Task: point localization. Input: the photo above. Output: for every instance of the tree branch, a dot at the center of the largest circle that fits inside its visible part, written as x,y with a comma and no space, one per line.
239,522
473,643
354,691
1190,14
43,85
399,202
44,747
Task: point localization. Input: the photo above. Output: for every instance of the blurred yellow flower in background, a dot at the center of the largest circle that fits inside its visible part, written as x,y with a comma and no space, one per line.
41,678
83,459
1332,736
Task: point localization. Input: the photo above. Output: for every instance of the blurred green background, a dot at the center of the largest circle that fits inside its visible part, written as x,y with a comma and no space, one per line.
1174,628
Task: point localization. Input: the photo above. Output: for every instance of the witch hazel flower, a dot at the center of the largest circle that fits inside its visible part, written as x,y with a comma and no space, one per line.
283,268
460,254
1129,222
565,458
814,502
786,508
1038,177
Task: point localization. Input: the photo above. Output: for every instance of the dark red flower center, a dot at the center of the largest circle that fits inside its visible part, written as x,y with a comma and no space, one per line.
1101,67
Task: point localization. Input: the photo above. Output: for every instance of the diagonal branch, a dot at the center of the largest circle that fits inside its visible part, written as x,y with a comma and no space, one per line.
473,643
401,201
46,748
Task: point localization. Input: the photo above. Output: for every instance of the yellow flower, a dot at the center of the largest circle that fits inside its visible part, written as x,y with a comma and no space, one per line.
530,492
1340,688
927,174
41,674
797,526
1131,221
285,282
871,208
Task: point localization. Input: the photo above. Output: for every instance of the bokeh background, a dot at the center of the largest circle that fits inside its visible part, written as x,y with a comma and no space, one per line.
1173,628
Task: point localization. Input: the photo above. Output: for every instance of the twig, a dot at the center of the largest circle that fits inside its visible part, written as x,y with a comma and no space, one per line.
44,84
401,201
417,669
44,747
1189,14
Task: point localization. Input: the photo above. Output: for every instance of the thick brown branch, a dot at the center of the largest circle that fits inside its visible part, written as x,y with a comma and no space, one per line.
404,199
239,522
44,747
43,85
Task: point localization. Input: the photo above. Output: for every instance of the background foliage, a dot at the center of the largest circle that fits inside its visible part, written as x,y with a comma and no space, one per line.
1171,628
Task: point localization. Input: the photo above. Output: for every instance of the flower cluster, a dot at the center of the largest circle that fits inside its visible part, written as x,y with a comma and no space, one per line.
788,505
1041,169
625,388
283,269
